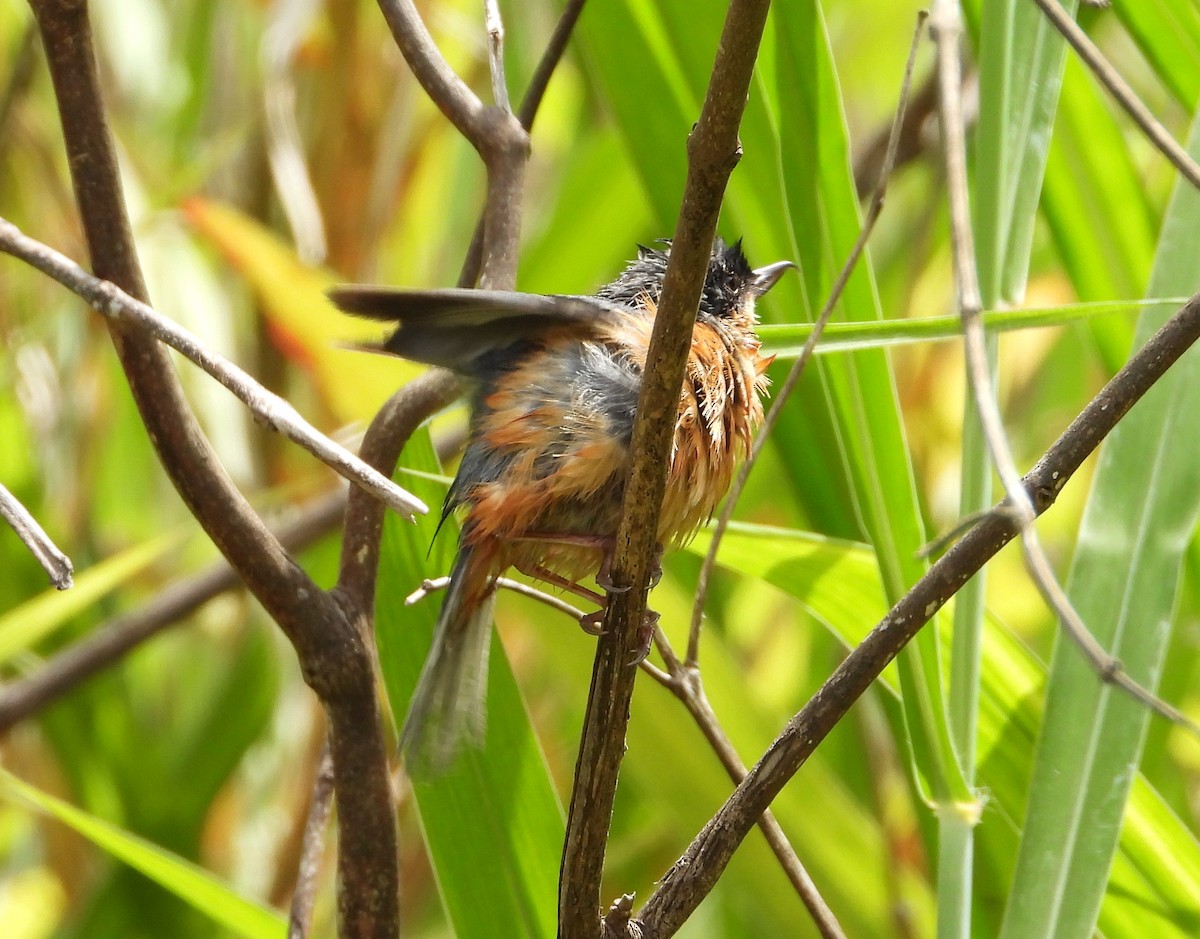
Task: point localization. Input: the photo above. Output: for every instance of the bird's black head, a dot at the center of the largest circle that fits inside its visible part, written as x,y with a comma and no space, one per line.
731,281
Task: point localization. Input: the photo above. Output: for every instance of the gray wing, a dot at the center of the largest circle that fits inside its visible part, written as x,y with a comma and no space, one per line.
454,327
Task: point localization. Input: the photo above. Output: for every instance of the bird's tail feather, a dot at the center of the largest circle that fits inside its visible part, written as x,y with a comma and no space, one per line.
449,705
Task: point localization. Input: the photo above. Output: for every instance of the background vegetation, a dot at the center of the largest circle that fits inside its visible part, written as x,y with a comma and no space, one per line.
203,742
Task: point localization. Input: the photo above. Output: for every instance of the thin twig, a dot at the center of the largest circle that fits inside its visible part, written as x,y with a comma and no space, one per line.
1111,79
268,408
797,369
947,30
685,683
698,869
549,62
526,115
433,584
312,850
912,143
495,31
111,641
713,151
57,565
495,133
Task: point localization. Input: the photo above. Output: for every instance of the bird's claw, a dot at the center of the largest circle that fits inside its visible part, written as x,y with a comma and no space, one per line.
593,623
656,571
645,635
604,575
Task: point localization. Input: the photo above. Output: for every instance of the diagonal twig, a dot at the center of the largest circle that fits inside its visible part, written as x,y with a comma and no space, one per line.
112,640
946,30
1125,96
434,584
57,565
684,682
268,408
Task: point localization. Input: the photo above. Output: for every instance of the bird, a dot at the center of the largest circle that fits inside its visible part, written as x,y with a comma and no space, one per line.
553,387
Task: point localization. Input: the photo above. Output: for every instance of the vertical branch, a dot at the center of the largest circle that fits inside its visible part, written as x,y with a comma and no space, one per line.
713,151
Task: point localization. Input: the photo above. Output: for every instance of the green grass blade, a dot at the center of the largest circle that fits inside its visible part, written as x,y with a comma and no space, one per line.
1020,73
24,626
1020,70
823,214
492,822
193,884
1139,522
785,340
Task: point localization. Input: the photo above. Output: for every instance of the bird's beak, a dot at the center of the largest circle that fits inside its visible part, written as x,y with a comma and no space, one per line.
765,277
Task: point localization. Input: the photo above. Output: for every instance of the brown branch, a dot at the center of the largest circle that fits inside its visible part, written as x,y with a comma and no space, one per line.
684,682
334,660
713,151
113,640
57,565
187,456
695,873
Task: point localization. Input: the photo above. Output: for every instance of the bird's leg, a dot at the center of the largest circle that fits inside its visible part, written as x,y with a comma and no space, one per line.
602,543
591,622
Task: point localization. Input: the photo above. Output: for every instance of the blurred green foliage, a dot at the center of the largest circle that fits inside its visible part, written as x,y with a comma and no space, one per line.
203,742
